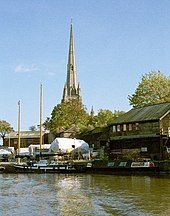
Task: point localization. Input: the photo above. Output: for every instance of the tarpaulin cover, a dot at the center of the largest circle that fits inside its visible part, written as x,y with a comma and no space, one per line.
66,145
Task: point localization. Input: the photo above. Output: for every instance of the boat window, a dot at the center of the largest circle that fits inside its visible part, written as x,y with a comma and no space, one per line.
111,164
144,149
122,164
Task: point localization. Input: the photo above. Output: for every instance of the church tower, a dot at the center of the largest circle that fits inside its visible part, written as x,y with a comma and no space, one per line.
71,87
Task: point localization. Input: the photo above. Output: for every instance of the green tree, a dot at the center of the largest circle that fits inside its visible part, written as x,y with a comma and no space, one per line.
5,128
154,88
33,128
67,114
105,117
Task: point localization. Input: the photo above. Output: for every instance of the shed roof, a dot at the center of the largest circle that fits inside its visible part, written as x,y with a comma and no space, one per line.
24,134
149,113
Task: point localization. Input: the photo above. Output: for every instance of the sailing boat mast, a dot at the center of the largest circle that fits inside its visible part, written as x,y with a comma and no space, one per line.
41,101
19,138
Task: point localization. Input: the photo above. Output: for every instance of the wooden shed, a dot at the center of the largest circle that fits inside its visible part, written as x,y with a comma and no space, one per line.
146,129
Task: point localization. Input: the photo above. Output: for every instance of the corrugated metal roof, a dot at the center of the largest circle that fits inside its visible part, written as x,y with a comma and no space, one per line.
24,134
149,113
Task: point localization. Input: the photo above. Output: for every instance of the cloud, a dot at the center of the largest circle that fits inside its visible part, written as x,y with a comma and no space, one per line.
51,73
24,69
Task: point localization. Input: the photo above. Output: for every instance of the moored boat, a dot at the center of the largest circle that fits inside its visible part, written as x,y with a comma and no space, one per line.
43,166
122,167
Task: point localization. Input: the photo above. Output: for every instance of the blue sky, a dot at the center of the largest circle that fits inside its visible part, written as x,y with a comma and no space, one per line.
116,42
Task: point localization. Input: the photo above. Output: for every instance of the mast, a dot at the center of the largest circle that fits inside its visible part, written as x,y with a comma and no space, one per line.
19,138
41,118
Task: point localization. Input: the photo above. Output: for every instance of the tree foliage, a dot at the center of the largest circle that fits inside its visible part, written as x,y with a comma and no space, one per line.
105,117
33,128
72,113
65,115
154,88
5,128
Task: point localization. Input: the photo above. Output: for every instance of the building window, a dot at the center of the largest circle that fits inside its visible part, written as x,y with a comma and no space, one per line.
137,126
130,127
118,128
124,127
114,128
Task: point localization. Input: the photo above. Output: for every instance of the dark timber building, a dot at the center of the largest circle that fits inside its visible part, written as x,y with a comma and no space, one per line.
146,129
27,138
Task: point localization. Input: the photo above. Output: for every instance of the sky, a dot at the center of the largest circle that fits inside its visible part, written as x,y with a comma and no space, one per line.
116,42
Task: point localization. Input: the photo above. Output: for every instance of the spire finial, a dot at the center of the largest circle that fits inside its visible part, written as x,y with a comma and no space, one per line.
92,112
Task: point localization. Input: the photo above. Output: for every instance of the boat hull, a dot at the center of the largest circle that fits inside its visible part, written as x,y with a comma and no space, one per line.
47,169
122,167
122,171
93,167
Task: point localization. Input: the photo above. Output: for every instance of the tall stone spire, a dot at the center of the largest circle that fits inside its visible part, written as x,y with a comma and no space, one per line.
71,88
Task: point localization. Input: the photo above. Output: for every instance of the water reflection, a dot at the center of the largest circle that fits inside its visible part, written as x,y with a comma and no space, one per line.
53,194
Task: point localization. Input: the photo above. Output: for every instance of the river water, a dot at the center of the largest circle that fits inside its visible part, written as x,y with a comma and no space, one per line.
78,195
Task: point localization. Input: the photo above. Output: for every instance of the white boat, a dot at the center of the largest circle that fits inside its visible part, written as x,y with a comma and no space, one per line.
43,166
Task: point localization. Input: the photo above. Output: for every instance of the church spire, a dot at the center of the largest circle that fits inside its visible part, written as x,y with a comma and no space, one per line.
71,88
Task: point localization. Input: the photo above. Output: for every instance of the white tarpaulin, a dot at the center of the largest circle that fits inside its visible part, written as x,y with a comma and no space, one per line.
4,152
66,145
23,152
